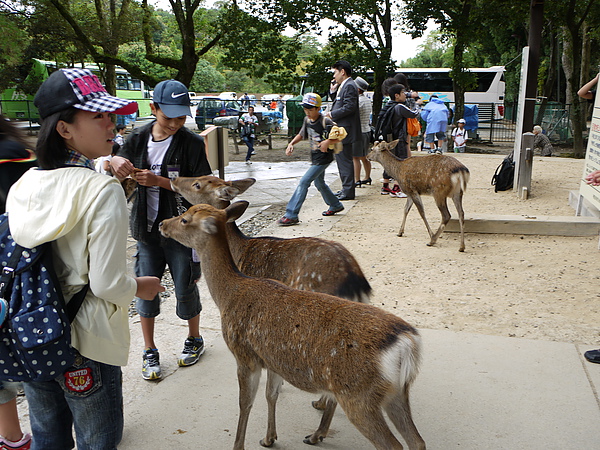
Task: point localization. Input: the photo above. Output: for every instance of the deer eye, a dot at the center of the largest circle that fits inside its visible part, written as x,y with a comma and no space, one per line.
196,185
183,220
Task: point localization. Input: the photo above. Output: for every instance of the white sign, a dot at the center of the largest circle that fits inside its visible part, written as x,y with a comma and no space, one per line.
592,158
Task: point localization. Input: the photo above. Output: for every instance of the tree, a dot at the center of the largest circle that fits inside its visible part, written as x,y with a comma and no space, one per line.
365,25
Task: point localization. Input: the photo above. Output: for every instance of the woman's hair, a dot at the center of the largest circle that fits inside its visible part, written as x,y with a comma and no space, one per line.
9,131
401,79
51,150
385,86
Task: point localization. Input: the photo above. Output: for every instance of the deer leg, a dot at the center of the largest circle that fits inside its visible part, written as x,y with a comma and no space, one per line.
321,433
398,410
320,404
443,207
419,203
274,382
409,203
457,199
368,418
248,379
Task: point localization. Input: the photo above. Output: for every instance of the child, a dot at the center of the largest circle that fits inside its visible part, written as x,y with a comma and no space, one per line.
70,204
164,149
460,136
316,128
249,121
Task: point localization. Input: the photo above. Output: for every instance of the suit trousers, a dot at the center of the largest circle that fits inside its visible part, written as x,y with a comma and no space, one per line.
346,170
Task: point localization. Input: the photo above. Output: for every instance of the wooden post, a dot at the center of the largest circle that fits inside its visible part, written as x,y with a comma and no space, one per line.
524,166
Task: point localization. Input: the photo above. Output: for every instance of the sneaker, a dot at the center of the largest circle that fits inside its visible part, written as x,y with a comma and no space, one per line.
332,211
23,444
253,153
248,162
193,347
285,221
593,356
151,365
386,190
398,194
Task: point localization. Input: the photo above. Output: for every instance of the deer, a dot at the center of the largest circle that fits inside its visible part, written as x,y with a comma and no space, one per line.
307,263
441,176
355,354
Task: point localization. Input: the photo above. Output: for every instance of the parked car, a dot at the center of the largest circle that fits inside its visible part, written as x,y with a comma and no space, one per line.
210,107
228,95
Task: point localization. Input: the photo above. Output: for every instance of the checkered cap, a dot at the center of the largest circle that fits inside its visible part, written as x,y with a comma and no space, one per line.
81,89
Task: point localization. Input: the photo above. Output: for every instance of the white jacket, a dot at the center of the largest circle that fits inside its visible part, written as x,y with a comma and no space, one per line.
85,213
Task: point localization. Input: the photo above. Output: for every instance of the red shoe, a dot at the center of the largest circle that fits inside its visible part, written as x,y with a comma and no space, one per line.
284,221
386,190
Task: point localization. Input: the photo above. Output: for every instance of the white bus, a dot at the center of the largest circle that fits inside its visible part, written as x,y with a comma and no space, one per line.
489,89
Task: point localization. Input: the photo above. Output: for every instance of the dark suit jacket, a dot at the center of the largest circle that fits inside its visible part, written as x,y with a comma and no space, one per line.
344,111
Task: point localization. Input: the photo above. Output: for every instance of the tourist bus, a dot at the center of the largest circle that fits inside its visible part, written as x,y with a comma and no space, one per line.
16,105
488,92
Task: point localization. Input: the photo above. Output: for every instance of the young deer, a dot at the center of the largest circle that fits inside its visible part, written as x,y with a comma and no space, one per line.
441,176
307,263
357,354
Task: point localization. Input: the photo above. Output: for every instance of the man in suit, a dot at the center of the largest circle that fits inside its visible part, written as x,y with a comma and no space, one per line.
344,112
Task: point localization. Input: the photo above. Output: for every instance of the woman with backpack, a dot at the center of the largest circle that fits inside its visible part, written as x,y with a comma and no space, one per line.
84,215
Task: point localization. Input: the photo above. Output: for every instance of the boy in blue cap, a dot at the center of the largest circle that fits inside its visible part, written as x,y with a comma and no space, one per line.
164,150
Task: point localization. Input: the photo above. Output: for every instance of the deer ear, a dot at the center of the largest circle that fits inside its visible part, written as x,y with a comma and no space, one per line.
393,144
235,210
243,185
209,225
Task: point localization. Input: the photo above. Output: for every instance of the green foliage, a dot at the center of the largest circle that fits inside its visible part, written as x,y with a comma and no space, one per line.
207,78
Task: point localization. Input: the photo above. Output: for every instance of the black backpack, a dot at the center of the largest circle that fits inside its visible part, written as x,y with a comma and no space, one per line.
384,128
35,334
504,176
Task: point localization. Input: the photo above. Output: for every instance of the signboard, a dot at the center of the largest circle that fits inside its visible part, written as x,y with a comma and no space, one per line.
592,159
520,114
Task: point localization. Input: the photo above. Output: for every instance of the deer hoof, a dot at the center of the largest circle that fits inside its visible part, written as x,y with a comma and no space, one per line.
265,443
461,249
312,440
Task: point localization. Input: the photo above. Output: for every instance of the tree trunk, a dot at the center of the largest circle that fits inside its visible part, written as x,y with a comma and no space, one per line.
572,66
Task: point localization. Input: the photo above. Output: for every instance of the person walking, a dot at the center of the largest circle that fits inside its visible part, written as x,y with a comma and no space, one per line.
319,131
460,136
344,112
248,123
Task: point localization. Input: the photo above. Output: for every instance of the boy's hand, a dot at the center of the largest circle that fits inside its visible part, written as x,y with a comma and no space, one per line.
145,178
289,149
121,167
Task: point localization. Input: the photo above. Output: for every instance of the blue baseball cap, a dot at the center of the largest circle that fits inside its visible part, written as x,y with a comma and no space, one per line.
173,98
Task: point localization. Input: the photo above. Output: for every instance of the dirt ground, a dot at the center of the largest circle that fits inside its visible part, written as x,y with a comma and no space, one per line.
538,287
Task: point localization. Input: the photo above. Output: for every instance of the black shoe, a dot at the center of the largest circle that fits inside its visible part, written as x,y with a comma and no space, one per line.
345,197
593,356
367,181
357,184
338,193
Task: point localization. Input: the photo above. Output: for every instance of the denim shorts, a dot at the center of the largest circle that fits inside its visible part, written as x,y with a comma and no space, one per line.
152,259
430,137
88,397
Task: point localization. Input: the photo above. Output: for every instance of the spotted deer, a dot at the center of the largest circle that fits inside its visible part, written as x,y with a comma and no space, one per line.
307,263
357,355
441,176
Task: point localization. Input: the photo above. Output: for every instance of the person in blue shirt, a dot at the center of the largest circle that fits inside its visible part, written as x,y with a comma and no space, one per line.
435,114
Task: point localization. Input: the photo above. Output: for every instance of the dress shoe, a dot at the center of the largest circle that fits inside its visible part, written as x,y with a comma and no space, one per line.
345,197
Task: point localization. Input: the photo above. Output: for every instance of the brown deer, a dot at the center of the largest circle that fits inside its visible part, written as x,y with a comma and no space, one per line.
307,263
358,355
441,176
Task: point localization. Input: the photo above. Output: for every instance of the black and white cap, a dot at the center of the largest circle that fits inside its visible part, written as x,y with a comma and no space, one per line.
173,98
81,89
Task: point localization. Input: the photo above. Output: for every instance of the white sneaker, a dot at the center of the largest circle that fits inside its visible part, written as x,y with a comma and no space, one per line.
248,162
398,194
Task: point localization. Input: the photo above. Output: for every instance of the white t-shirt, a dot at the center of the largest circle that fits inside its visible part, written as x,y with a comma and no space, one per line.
99,163
460,136
156,154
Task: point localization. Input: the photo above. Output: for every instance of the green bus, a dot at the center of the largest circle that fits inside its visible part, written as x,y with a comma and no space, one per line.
17,105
